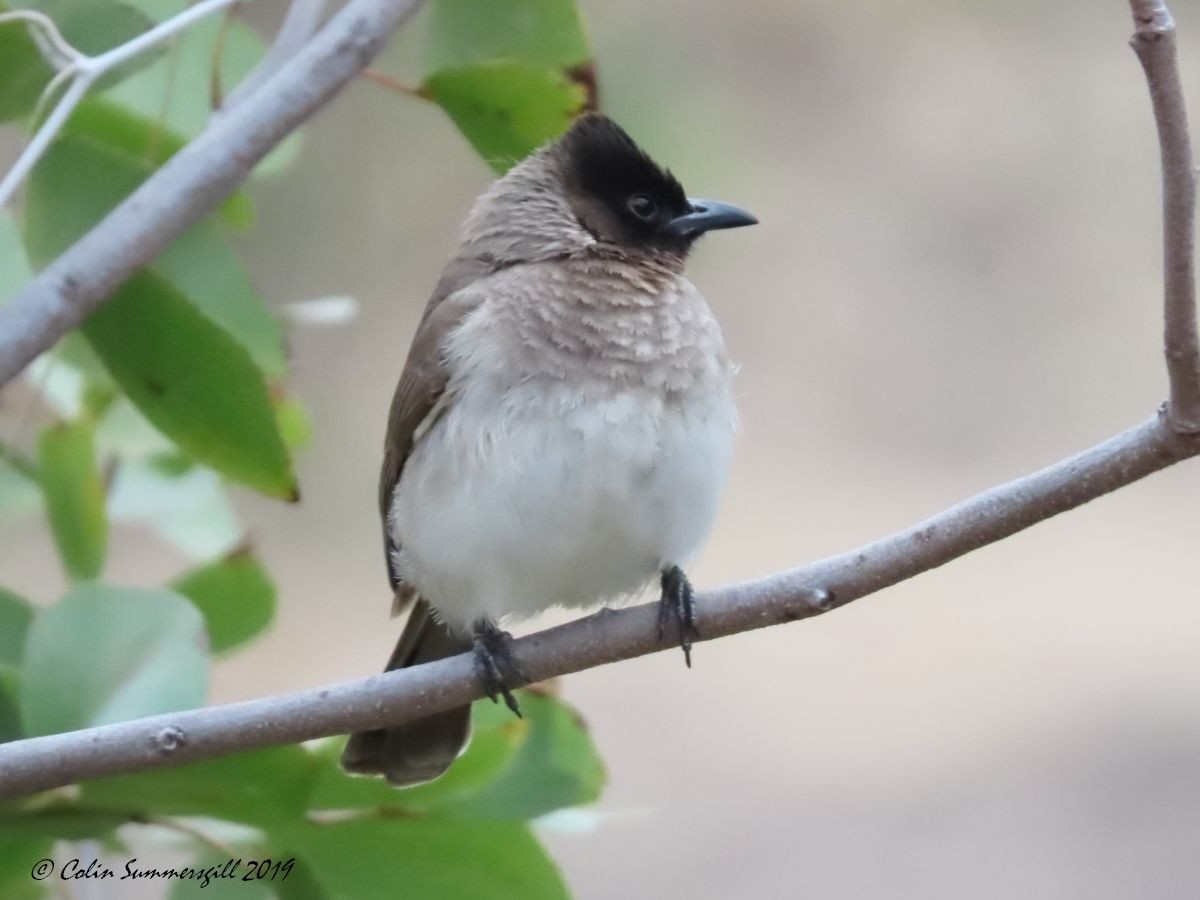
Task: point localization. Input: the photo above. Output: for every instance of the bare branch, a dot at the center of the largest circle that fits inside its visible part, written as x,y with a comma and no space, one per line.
608,636
1154,43
192,183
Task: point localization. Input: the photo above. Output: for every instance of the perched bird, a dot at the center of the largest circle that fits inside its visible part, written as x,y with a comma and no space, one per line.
561,430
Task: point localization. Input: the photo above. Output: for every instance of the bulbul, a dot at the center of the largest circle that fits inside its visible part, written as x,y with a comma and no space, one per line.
562,427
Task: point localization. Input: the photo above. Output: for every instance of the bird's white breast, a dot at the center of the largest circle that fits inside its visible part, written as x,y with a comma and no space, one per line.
536,487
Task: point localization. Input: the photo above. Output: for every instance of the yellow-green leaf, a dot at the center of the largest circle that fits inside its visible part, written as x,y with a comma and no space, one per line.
92,168
105,654
23,72
507,109
192,381
464,32
235,595
74,493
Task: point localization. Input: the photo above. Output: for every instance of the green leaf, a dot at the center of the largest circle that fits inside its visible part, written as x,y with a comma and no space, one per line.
105,654
235,595
10,715
557,766
15,615
74,493
257,788
295,422
301,883
492,749
193,382
207,888
507,109
463,32
512,769
82,177
149,140
18,854
62,821
429,858
14,269
23,75
512,75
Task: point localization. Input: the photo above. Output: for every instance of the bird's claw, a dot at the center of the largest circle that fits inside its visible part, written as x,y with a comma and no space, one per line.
679,602
495,665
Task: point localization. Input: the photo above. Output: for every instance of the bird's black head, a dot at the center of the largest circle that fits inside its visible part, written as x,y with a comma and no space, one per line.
623,196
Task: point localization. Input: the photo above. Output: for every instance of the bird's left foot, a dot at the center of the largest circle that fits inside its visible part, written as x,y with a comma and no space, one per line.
678,602
495,664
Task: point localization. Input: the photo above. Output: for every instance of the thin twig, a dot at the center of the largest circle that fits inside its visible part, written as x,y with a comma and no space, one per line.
1154,43
53,46
608,636
216,89
300,23
192,183
85,71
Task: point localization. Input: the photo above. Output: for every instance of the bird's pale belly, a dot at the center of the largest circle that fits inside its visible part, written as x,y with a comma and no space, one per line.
568,502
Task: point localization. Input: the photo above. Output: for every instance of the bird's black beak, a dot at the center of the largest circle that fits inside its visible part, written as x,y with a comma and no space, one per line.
708,215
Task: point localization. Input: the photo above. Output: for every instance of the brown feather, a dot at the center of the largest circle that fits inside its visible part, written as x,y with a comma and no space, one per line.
421,385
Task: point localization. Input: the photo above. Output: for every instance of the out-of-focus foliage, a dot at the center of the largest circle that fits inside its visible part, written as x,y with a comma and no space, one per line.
235,595
510,75
74,495
103,654
174,387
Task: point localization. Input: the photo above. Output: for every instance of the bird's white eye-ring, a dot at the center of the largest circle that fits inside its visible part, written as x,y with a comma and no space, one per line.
642,206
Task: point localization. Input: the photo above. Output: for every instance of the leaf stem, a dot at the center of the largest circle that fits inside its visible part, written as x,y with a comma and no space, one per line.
393,83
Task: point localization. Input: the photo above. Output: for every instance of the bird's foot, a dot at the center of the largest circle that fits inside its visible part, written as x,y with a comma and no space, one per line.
678,602
495,664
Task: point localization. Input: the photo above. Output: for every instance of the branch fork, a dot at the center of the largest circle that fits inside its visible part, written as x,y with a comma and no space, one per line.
82,71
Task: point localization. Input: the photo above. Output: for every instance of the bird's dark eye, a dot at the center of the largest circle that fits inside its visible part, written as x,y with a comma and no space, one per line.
642,206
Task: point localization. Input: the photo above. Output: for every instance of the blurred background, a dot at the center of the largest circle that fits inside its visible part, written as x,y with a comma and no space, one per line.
956,281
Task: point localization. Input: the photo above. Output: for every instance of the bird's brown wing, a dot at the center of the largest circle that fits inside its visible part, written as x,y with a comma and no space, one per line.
422,387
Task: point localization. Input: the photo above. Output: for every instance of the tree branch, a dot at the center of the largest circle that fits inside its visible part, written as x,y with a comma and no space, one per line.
407,694
607,636
298,26
192,183
1154,43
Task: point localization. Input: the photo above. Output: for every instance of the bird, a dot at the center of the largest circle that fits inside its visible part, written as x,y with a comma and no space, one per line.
562,427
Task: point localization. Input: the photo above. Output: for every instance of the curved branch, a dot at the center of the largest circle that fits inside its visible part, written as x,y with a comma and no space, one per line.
192,183
1154,43
607,636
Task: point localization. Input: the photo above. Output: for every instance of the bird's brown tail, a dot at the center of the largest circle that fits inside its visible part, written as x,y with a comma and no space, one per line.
424,749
